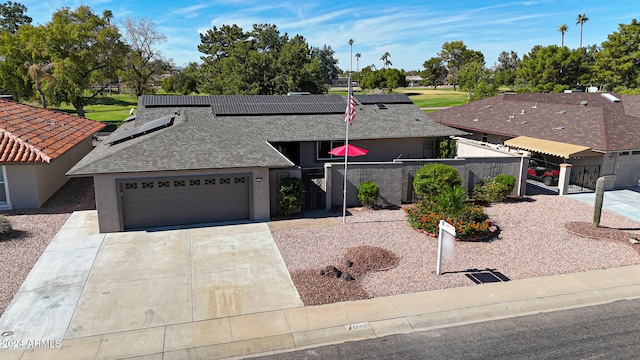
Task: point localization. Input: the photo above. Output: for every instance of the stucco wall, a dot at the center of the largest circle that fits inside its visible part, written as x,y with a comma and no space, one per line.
387,175
30,185
108,193
396,178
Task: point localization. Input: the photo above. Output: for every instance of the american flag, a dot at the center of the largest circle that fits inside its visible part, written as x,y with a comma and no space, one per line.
350,113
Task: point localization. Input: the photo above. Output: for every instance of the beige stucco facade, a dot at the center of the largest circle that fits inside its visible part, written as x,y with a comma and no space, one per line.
30,185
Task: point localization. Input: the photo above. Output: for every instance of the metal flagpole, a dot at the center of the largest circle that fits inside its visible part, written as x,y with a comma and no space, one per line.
346,152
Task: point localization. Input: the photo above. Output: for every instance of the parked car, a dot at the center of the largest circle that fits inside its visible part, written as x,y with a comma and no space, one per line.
538,171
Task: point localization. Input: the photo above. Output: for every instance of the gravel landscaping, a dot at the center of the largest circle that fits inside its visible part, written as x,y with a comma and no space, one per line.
33,229
532,242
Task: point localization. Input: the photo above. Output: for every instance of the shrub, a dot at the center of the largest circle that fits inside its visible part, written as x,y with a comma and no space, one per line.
469,221
494,190
434,178
368,193
291,195
5,226
505,179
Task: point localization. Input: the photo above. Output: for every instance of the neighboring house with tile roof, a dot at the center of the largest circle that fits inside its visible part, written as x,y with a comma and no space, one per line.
37,147
196,159
589,130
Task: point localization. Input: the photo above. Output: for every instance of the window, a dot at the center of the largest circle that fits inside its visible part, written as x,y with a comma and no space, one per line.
147,185
635,152
239,180
194,182
178,183
225,181
130,186
485,137
163,184
624,153
209,181
324,147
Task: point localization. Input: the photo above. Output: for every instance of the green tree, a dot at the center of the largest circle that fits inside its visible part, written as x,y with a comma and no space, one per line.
143,61
617,63
328,64
434,72
16,50
563,29
455,54
260,61
477,81
88,52
505,70
580,20
12,16
388,79
550,68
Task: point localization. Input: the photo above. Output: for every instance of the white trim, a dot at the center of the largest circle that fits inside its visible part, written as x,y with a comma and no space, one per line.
6,205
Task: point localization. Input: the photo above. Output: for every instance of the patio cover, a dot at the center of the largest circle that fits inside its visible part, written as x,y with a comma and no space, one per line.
563,150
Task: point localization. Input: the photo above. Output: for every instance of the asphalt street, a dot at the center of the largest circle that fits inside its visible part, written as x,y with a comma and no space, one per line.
610,331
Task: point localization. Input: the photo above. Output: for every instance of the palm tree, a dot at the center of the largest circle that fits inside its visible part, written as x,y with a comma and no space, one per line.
350,57
107,15
385,59
358,55
581,19
37,72
563,29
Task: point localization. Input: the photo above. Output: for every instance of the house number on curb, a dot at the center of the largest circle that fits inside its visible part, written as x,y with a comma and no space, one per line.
358,326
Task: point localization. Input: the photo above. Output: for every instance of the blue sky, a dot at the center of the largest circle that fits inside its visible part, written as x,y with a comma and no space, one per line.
412,31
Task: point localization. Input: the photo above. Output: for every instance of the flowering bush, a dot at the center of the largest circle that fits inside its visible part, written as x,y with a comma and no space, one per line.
469,220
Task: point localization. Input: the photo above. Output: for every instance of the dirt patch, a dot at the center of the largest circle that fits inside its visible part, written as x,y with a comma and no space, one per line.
585,229
323,286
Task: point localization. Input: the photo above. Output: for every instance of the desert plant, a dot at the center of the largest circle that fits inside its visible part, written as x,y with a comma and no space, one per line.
434,178
452,199
597,209
5,226
291,193
368,193
508,180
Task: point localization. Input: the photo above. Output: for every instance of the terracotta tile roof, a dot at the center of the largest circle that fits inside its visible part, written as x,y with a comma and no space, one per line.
597,123
29,134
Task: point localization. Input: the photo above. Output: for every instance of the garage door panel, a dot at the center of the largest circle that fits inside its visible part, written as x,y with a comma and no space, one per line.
182,201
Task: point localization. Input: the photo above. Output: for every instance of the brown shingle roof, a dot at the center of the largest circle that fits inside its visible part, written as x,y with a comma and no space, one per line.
30,134
600,124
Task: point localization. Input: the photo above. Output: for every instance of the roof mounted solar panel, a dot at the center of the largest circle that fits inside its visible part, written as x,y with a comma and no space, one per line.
383,99
149,127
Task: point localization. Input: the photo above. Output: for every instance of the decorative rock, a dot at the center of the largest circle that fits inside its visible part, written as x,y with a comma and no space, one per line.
331,271
346,276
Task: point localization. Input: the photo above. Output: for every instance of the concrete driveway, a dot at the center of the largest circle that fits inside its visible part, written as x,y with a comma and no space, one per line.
625,202
87,283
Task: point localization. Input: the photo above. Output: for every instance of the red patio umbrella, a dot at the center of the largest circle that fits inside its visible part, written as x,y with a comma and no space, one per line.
353,151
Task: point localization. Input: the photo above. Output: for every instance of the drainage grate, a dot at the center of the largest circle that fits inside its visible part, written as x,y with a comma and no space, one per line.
485,276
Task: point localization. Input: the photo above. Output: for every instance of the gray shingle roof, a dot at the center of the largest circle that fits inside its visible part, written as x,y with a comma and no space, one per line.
600,124
200,139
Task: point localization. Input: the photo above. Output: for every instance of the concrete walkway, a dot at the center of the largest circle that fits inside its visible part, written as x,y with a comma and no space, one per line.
625,202
146,307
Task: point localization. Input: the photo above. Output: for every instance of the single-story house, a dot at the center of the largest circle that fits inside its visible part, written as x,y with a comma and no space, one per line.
198,159
37,147
598,133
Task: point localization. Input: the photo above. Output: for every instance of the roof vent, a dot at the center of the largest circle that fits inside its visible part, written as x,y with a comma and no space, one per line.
584,103
561,112
610,97
381,106
523,122
476,119
522,112
458,115
558,128
535,106
488,106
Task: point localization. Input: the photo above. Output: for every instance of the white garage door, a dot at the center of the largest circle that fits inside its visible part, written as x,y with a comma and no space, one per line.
185,200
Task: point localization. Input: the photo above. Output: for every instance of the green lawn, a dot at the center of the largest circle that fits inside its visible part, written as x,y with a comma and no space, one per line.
427,97
114,108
